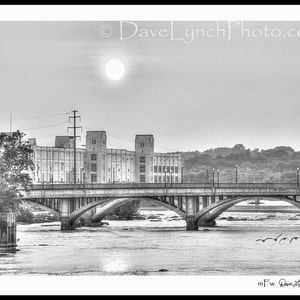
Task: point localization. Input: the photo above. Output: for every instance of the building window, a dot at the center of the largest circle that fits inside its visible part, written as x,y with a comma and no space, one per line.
168,169
155,178
142,145
142,168
155,169
94,177
142,178
93,156
176,169
159,169
94,142
159,178
172,169
142,159
93,167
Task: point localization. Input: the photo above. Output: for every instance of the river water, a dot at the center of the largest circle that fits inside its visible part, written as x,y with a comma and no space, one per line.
159,247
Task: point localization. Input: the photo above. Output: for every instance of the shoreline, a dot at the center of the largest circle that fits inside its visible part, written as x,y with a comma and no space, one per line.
245,209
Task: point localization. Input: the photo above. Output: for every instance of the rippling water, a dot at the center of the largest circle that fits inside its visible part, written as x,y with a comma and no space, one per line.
144,247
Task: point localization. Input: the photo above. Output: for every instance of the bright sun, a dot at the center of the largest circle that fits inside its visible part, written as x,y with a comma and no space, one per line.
114,69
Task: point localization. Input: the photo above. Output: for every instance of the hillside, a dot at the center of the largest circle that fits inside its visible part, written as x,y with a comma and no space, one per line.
272,165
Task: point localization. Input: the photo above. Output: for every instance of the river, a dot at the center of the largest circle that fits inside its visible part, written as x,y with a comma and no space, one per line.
158,247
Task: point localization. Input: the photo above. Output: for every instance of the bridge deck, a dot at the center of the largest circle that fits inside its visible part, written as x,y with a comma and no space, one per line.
158,190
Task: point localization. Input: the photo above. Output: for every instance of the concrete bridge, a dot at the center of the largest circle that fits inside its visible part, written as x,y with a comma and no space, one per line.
198,203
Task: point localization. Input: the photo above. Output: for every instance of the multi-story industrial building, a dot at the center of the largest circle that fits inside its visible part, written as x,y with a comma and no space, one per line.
99,164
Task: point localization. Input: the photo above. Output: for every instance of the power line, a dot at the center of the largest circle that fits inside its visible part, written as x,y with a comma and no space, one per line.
43,126
44,136
45,116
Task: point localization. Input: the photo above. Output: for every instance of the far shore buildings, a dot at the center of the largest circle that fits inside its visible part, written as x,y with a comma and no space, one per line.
98,164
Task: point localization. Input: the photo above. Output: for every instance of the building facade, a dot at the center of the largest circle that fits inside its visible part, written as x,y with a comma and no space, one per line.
98,164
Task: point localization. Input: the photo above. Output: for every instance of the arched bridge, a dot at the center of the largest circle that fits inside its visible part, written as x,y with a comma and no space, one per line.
199,204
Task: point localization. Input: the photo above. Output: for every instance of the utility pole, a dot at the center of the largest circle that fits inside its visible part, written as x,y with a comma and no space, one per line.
74,127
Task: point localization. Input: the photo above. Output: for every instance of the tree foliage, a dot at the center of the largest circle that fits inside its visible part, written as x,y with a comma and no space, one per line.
272,165
15,165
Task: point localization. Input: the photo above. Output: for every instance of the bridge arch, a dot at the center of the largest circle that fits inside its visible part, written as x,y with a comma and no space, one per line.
210,213
42,206
109,205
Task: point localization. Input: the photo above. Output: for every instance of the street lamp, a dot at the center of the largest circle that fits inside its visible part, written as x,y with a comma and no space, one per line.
181,173
165,170
171,176
297,177
213,177
84,178
236,174
218,177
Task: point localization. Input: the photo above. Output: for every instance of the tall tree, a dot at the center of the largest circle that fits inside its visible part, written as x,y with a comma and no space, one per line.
15,166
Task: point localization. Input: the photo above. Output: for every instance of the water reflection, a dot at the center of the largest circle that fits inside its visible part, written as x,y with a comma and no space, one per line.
114,263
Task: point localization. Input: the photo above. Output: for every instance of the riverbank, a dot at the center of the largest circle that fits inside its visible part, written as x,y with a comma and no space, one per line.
264,208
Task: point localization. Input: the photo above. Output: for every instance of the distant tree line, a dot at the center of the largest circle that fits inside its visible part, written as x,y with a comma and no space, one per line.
273,165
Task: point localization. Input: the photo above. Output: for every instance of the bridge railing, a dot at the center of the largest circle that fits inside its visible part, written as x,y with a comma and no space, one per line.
133,185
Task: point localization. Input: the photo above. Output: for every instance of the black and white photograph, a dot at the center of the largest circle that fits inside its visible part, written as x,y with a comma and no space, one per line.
142,153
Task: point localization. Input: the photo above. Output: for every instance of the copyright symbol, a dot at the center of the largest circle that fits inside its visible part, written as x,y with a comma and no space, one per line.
105,31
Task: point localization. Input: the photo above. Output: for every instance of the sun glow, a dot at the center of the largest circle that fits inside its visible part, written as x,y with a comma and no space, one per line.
114,69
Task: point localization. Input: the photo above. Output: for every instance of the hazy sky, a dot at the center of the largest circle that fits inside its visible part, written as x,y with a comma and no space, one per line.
190,92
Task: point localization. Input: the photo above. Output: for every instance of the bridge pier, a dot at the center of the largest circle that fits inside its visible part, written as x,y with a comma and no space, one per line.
64,215
191,224
65,224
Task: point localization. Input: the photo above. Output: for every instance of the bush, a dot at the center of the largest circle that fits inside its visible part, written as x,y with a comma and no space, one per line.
127,211
25,215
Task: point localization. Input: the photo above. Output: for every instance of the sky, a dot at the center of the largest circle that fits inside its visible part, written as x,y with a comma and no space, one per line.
192,92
